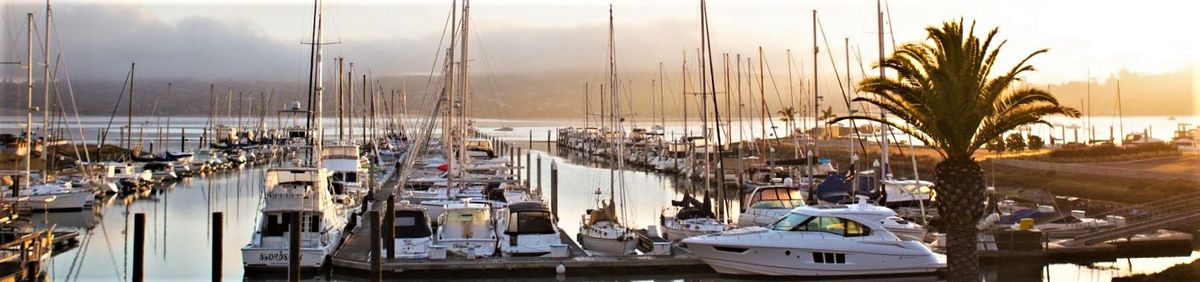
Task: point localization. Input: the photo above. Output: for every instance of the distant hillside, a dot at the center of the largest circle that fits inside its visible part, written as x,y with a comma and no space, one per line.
1167,94
560,94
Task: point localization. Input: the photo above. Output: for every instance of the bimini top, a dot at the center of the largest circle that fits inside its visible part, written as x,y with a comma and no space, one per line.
528,207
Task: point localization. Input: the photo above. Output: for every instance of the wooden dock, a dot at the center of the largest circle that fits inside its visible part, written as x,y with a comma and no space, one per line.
1163,243
354,258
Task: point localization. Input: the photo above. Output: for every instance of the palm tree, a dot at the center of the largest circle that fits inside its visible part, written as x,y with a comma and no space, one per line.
827,114
945,93
788,115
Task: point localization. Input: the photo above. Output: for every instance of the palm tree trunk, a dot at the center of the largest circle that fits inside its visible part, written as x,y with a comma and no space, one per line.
960,194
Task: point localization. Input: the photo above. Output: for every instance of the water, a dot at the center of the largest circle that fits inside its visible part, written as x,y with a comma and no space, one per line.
178,243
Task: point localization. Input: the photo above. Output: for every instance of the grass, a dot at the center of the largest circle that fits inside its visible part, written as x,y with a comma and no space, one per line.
1107,188
1179,272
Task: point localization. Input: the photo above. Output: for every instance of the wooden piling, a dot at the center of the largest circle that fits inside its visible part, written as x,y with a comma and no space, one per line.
539,173
376,261
529,168
389,229
182,139
218,234
139,247
294,247
554,189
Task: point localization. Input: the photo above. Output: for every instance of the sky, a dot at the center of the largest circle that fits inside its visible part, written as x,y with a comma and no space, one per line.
261,40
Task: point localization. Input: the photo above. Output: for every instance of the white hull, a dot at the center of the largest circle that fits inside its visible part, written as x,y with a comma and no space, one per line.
780,265
608,246
59,201
310,258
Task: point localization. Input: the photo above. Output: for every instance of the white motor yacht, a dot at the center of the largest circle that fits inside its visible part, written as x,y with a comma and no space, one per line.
413,236
295,189
815,241
467,229
526,229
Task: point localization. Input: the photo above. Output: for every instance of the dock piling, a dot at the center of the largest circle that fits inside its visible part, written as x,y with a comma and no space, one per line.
218,234
539,174
294,247
554,189
389,230
139,247
376,263
182,139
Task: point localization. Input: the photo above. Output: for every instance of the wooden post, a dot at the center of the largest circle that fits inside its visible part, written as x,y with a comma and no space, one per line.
182,139
539,174
218,234
529,167
554,189
139,247
518,158
294,247
376,266
389,229
548,133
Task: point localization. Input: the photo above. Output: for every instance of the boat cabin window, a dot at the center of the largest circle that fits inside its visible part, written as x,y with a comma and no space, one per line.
346,176
835,225
412,224
777,198
277,224
530,222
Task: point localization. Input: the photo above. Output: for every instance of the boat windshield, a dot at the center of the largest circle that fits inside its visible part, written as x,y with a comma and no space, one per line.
411,224
789,222
777,198
530,222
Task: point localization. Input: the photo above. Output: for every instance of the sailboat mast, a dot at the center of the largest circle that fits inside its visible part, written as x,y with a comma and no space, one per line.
340,100
464,89
132,87
886,130
716,109
612,80
46,80
319,90
29,104
816,93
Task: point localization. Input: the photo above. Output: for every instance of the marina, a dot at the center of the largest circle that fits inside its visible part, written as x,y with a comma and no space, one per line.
940,167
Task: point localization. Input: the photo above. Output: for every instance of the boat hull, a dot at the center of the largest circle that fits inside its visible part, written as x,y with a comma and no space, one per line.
608,246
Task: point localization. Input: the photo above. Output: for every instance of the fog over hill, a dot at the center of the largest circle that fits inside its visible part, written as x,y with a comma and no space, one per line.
561,95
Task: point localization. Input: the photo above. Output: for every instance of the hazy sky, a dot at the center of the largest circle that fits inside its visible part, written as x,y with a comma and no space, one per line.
246,39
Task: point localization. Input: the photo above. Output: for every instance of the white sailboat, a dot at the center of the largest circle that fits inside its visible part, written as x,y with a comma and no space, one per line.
601,229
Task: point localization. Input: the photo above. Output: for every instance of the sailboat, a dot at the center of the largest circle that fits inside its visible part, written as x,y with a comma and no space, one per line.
601,229
297,192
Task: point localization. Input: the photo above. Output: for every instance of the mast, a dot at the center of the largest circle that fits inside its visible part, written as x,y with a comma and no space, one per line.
341,107
885,131
616,110
28,107
46,81
319,90
816,92
132,87
762,95
464,89
662,96
716,109
1120,113
587,107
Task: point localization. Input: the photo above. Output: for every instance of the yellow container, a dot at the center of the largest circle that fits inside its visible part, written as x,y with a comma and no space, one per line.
1026,224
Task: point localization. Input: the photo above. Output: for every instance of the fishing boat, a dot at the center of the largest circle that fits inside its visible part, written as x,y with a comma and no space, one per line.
467,229
815,241
526,229
291,191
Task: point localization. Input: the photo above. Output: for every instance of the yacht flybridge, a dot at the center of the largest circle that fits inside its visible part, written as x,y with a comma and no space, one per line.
816,241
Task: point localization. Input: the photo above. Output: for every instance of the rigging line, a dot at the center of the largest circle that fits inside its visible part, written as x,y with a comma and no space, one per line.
891,135
845,95
104,136
491,71
771,121
437,54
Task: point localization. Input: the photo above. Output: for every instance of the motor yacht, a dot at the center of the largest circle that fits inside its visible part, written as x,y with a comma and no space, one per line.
526,229
815,241
467,229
